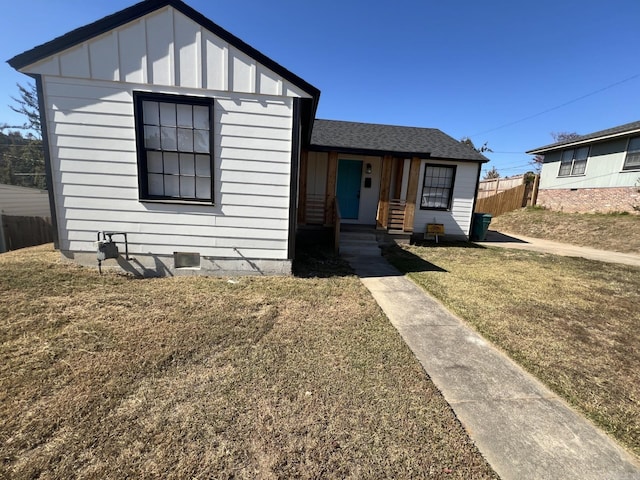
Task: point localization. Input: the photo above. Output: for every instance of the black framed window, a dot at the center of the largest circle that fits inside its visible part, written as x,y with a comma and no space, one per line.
437,188
632,160
573,161
174,140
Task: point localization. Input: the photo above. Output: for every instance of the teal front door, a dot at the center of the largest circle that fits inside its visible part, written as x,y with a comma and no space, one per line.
348,187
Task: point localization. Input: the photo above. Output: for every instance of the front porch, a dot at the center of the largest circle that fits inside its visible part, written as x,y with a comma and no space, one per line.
379,191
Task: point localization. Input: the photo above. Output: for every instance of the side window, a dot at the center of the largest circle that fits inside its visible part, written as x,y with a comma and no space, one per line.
437,188
175,160
632,160
573,161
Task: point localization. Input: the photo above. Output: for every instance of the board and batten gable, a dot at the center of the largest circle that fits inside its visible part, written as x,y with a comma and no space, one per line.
457,220
88,95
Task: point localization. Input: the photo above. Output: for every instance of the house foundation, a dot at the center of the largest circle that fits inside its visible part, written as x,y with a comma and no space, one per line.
590,200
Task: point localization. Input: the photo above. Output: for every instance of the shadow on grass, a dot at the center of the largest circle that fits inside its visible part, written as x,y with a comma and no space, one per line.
315,258
495,236
447,244
408,262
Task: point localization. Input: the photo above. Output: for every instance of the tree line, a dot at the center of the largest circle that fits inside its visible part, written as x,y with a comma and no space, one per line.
21,149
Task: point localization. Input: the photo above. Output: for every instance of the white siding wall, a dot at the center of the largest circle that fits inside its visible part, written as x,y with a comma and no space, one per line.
23,202
92,137
604,169
89,108
457,222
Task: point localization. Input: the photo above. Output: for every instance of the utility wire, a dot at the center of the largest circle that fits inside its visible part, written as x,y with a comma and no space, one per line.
557,106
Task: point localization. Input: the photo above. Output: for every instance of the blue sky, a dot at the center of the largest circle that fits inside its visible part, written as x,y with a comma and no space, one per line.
466,67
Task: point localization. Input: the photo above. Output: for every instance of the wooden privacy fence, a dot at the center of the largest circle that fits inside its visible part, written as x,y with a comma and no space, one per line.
493,186
525,193
19,232
503,202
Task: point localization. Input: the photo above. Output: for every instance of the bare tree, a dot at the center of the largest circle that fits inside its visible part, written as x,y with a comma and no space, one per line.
491,174
27,104
558,137
564,136
484,148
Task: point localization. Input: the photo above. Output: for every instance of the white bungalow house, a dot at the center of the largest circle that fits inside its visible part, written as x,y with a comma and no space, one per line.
597,172
206,153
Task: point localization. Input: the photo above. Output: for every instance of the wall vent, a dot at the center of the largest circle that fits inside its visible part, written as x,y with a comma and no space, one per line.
186,260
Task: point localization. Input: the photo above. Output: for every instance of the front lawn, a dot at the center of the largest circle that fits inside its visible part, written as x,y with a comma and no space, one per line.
571,322
190,377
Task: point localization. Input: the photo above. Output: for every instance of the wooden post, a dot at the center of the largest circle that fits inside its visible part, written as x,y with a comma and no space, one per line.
412,192
302,188
385,187
534,194
3,244
495,192
330,195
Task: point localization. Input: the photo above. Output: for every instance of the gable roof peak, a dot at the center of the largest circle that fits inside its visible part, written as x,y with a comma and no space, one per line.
145,7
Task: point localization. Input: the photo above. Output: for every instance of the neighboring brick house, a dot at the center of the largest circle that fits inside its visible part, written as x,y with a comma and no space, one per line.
598,172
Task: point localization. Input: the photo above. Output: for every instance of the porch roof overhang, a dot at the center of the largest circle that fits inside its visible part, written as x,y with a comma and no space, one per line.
367,151
381,140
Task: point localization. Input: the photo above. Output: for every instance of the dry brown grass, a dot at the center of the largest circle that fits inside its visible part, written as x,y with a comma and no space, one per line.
571,322
617,232
114,377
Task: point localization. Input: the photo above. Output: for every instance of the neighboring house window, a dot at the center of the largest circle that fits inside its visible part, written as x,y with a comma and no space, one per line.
632,161
573,161
437,189
174,147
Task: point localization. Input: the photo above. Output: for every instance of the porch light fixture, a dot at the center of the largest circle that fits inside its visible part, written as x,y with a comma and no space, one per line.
368,168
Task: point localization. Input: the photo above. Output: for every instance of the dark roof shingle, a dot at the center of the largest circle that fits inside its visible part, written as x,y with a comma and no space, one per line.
389,139
601,134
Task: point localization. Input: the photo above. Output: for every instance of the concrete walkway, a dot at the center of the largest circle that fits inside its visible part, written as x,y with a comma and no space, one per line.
523,429
509,240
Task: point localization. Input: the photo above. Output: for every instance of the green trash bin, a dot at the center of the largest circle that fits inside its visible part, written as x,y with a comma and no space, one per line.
481,222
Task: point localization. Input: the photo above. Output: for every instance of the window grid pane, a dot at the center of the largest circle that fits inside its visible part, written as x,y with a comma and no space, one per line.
437,187
173,133
632,161
579,167
634,145
565,169
573,161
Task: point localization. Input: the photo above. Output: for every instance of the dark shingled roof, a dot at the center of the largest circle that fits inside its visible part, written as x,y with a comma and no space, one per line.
618,131
375,139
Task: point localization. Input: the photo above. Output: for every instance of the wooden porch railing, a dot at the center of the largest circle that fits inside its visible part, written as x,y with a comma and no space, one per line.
396,214
315,209
337,219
